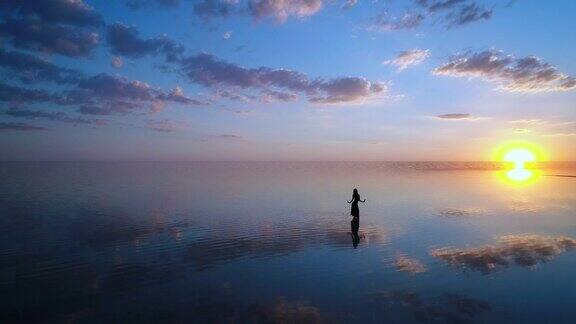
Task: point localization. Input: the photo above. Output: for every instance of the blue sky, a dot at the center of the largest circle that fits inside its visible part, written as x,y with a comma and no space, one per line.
285,80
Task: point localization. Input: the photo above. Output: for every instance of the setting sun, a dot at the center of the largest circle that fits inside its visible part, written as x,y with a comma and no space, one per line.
519,157
516,156
518,153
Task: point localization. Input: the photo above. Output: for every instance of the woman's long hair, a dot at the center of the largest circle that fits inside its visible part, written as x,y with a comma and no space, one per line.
355,194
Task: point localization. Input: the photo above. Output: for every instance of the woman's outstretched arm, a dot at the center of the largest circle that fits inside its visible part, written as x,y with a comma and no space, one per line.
363,200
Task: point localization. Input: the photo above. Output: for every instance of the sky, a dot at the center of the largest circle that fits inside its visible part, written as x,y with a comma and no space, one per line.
300,80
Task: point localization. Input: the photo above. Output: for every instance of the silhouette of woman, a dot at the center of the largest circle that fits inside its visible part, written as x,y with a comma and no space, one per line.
355,212
355,222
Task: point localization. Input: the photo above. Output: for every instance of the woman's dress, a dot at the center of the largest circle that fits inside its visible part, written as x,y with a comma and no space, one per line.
355,211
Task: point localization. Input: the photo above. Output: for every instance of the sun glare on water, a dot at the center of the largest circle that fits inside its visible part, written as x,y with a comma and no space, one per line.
517,156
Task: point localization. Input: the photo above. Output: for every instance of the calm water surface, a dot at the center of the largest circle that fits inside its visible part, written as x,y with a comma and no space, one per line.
271,242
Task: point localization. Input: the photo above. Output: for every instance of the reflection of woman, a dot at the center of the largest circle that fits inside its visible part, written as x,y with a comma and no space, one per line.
355,212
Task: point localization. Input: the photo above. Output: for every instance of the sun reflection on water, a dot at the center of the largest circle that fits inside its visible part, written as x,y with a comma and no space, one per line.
518,177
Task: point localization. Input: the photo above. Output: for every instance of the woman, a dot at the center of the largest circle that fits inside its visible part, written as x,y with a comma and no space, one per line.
355,212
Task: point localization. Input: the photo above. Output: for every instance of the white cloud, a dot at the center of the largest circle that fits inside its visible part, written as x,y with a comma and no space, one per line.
408,58
527,74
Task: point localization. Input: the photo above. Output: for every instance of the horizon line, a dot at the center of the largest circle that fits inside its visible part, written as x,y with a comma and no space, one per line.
283,161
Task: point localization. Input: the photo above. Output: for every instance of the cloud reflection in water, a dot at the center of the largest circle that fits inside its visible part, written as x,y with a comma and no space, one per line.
526,250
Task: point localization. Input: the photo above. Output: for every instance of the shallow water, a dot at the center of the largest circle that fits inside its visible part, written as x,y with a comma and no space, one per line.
271,242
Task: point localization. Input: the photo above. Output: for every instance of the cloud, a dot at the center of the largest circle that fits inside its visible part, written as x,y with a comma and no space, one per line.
177,95
210,71
16,94
439,5
526,250
30,68
233,94
281,10
124,40
460,12
348,4
115,87
269,96
162,126
522,131
459,212
530,122
117,62
560,135
452,13
454,116
65,27
468,14
106,94
54,116
229,137
36,35
71,12
547,128
214,8
110,108
109,86
102,94
20,127
528,74
412,266
409,58
347,89
409,20
568,83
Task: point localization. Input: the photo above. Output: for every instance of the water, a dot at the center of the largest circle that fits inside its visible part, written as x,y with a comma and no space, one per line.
271,242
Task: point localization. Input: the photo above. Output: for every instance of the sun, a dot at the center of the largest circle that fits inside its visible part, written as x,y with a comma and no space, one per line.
516,155
519,157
